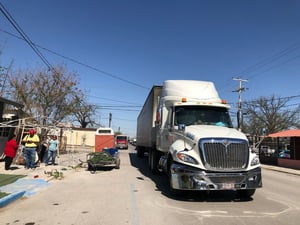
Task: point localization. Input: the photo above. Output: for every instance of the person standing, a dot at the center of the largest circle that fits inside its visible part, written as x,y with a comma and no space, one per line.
52,150
10,150
44,146
31,141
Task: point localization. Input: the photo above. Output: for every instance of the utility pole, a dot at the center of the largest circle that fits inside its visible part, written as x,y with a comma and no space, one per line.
240,111
110,117
3,79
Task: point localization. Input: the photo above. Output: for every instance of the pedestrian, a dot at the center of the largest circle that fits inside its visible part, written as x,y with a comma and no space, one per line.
31,142
52,150
10,150
43,151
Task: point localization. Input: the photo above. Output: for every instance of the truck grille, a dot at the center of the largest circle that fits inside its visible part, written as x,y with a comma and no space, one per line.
221,153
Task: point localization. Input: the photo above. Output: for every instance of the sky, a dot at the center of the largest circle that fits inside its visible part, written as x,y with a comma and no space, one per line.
121,48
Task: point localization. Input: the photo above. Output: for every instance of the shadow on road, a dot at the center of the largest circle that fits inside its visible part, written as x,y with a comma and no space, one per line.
162,184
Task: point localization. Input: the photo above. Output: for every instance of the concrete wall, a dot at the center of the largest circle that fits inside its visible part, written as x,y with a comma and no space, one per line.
289,163
79,137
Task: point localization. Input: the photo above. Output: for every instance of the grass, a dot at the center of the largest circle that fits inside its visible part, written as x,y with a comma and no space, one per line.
8,179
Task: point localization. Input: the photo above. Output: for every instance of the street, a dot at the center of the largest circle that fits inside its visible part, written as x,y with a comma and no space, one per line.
132,195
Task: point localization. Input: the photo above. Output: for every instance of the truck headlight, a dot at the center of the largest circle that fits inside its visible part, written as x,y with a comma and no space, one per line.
186,158
255,161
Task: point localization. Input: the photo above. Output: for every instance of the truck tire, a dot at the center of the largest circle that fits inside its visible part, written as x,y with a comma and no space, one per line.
246,193
153,159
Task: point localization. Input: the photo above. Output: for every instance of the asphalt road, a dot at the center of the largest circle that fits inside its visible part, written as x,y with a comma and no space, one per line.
132,195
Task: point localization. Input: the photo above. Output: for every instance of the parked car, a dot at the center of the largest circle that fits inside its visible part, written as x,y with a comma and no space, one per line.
284,153
266,150
133,141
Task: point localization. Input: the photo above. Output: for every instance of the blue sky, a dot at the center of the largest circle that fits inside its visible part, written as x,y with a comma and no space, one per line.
126,46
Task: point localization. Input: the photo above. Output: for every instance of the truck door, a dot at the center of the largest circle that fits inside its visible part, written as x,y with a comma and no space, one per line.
163,128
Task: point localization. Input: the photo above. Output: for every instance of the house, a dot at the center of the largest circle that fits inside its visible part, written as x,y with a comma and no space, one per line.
83,138
288,146
9,118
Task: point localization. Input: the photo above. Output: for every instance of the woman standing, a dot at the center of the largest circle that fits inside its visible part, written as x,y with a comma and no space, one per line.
10,150
52,150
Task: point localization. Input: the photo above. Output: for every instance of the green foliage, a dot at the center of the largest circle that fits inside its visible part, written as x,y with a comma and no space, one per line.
98,157
118,133
55,173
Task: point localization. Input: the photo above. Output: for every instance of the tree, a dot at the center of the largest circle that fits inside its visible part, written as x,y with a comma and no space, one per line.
48,96
83,111
270,114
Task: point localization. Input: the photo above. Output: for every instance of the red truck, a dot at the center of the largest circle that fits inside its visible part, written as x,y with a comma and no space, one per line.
122,142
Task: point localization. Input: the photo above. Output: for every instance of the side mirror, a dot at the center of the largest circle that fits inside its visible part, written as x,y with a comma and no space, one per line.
181,127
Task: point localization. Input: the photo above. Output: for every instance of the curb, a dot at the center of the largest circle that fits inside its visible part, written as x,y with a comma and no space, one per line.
282,170
10,198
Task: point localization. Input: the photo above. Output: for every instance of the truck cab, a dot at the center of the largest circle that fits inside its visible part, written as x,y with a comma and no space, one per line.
122,142
196,144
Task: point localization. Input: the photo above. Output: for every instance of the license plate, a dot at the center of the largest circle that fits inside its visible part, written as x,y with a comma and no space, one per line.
227,186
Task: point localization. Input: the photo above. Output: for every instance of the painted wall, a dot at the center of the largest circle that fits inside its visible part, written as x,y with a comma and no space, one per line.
289,163
79,137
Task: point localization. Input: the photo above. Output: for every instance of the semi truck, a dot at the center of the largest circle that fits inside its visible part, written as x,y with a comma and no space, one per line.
188,134
122,141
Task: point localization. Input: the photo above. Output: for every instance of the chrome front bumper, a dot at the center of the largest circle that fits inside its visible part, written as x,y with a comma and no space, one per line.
187,178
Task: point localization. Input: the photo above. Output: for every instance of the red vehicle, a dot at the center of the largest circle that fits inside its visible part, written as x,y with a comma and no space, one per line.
104,138
122,141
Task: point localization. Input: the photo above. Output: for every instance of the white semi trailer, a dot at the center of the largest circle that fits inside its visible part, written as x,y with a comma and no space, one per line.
187,131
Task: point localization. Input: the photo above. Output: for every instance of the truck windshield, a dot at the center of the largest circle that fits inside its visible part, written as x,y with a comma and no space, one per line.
202,115
121,138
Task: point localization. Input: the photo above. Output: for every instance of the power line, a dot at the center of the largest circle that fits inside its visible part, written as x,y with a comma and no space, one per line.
25,37
277,65
121,106
81,63
269,60
120,109
97,97
124,119
275,57
95,69
113,100
279,98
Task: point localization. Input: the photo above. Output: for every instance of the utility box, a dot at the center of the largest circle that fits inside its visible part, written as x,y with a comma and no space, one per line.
104,138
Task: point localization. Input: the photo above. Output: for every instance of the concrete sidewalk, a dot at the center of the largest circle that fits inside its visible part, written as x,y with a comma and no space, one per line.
281,169
39,177
64,161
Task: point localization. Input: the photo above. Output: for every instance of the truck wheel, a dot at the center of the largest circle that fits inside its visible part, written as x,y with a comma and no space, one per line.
92,169
246,193
153,161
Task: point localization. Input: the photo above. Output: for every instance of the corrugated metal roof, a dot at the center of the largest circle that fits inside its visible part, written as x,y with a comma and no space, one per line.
286,133
7,101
